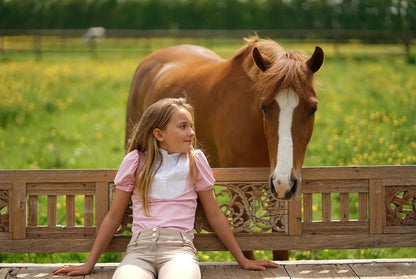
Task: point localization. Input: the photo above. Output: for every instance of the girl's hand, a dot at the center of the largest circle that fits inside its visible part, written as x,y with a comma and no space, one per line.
256,264
73,270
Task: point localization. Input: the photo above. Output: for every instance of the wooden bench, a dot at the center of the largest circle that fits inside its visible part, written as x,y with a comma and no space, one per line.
384,216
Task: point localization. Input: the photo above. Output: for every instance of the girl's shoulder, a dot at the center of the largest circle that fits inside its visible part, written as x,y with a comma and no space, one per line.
204,175
128,166
199,155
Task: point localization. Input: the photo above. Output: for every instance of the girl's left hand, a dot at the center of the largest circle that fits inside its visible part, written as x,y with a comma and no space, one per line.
256,264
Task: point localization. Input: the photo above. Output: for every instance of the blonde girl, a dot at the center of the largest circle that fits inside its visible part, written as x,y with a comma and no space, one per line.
163,174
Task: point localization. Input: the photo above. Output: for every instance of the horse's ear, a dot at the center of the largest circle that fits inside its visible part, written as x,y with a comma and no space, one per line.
317,59
263,62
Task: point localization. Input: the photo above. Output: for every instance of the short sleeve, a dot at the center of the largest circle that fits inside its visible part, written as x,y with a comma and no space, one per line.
204,176
125,176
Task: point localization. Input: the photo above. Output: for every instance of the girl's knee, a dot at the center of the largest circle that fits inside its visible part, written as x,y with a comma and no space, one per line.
180,269
133,272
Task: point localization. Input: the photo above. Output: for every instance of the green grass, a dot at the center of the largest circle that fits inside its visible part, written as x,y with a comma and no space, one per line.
67,111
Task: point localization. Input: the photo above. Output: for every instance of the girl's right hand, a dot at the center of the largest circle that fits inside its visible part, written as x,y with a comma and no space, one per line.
73,270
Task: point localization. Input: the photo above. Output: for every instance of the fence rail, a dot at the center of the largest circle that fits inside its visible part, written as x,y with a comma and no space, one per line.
339,208
40,38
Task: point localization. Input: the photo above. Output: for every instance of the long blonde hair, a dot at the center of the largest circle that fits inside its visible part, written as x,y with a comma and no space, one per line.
156,115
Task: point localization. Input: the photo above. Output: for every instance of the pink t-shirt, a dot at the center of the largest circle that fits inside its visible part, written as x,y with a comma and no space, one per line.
172,201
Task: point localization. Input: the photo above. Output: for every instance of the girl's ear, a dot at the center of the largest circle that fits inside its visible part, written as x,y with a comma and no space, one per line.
157,133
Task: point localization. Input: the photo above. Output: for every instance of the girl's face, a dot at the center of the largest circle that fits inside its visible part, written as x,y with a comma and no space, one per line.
179,134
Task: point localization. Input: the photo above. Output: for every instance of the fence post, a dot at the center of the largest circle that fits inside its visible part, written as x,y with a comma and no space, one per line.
37,46
102,203
18,210
377,200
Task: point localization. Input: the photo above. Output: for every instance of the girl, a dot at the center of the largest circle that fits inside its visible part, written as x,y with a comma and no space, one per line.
163,175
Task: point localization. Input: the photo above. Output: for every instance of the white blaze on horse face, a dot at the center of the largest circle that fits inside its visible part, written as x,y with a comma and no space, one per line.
287,100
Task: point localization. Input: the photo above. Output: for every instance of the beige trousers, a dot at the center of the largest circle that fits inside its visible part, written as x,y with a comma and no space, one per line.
159,253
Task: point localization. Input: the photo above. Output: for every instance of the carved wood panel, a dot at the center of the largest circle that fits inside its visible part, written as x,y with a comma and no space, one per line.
4,210
249,208
400,205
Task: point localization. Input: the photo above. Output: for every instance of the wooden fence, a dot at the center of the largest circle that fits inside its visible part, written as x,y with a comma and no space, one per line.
339,208
39,41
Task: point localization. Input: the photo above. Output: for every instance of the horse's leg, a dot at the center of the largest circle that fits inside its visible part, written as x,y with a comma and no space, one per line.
249,255
281,255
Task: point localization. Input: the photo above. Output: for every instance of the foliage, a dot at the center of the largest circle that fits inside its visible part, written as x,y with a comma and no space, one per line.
207,14
67,111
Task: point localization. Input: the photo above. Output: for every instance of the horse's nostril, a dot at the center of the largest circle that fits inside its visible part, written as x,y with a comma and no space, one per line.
294,187
272,189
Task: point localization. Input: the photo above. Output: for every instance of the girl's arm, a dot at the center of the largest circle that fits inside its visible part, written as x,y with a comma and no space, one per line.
106,232
219,223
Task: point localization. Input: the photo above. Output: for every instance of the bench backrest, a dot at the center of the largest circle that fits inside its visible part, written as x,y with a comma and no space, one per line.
340,208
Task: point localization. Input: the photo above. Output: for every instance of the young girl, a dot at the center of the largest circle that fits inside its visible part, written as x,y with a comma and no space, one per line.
163,175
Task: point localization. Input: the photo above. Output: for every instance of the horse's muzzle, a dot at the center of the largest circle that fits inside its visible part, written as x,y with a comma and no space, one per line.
289,193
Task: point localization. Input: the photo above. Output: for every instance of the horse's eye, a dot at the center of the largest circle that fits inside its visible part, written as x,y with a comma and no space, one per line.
263,107
314,108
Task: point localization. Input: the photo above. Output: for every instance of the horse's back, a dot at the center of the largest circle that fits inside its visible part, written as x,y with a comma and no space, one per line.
181,55
167,73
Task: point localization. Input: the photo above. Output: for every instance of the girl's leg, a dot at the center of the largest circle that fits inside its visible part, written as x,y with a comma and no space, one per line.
132,272
138,262
178,258
181,266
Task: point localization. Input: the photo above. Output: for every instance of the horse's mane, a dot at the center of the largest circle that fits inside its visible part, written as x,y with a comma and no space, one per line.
288,71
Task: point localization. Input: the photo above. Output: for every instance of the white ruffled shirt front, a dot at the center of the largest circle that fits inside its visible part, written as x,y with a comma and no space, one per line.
170,180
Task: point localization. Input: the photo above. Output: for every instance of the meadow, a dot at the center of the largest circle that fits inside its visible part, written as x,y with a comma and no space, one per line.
67,111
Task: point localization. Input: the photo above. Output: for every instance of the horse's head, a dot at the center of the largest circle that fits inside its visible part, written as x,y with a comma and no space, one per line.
288,102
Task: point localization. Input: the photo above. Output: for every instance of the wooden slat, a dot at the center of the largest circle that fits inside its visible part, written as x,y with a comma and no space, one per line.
229,270
33,210
295,216
282,242
227,175
5,235
321,271
385,270
400,229
344,206
403,181
56,176
326,207
52,210
307,208
61,232
89,211
18,210
335,186
335,227
370,172
364,269
5,186
362,206
69,188
70,210
376,200
211,243
260,174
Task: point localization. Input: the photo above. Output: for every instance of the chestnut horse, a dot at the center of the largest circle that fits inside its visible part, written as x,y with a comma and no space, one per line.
253,110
